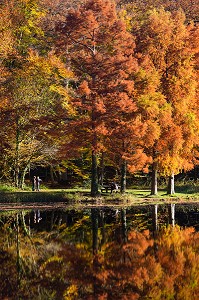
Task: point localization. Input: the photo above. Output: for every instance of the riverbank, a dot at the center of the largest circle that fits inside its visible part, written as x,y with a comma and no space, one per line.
61,198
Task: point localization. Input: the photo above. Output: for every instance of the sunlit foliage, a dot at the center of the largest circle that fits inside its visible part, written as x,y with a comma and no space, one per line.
58,264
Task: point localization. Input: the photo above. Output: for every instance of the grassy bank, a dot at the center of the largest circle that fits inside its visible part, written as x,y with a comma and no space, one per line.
185,193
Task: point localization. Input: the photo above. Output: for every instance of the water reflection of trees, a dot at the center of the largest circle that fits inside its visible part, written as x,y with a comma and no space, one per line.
88,256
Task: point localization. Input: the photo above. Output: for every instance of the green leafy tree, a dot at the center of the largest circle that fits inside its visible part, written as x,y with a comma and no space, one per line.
34,93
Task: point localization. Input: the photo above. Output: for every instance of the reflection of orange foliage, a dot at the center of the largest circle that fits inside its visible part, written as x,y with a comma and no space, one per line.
84,89
3,103
166,267
142,268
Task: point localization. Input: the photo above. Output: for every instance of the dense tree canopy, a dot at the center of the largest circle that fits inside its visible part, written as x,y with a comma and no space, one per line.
82,78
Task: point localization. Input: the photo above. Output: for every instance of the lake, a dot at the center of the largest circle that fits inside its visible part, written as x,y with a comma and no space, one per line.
90,252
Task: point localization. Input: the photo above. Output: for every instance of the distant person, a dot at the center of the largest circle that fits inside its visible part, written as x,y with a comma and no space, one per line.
38,182
34,184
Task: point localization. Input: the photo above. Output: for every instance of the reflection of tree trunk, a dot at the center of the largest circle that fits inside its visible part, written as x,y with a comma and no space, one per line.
102,227
60,218
124,227
18,252
155,217
170,188
96,263
172,214
94,216
155,228
52,220
123,177
23,223
154,181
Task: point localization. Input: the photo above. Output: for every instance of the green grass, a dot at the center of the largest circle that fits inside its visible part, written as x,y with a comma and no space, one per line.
162,193
78,194
7,188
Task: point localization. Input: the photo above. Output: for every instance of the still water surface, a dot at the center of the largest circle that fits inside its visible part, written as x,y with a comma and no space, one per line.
137,252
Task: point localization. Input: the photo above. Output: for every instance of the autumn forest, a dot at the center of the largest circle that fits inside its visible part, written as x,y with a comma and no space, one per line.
89,83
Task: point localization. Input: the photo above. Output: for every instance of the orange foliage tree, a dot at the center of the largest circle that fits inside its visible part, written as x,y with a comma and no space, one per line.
164,41
101,55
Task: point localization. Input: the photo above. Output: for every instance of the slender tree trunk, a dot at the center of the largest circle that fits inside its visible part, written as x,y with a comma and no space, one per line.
52,175
123,177
16,160
94,170
22,179
16,176
58,175
94,178
154,180
101,177
170,188
16,163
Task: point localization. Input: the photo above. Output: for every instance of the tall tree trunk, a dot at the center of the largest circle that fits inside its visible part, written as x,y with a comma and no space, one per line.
94,170
22,179
16,160
16,165
94,178
154,179
52,175
101,175
171,185
123,177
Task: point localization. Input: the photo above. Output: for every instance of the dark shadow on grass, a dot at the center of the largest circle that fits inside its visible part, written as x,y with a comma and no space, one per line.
15,197
187,189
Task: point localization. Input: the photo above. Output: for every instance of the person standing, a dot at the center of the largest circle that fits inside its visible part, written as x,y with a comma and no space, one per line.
38,181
